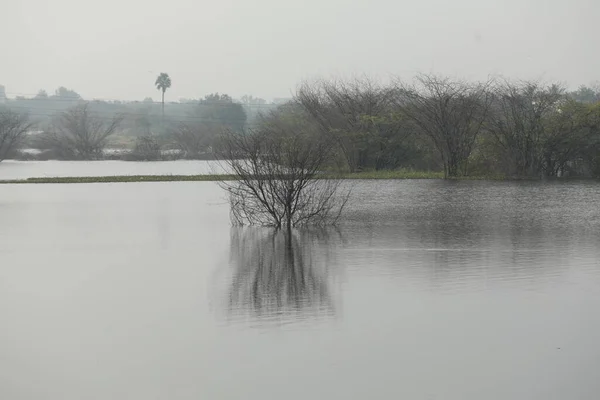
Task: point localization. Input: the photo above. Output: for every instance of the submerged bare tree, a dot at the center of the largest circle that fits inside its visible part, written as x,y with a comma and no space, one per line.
276,174
450,112
13,130
79,134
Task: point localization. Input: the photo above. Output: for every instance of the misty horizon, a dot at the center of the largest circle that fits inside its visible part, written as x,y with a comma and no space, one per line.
115,49
378,199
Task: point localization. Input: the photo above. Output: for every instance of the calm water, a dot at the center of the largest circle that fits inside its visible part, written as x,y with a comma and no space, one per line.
10,169
429,290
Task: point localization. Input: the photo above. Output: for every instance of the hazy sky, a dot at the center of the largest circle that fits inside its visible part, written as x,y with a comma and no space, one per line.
114,49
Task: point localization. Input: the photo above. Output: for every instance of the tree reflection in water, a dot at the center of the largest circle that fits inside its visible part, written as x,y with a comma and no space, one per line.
280,274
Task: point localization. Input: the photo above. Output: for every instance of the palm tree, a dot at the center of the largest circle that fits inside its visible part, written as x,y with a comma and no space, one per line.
163,82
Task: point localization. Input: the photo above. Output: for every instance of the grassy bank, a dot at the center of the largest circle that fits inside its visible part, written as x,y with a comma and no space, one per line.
400,174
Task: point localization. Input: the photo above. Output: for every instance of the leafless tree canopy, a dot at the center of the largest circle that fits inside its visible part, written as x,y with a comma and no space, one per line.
509,128
433,124
520,122
147,148
450,112
193,138
276,169
13,129
79,134
359,115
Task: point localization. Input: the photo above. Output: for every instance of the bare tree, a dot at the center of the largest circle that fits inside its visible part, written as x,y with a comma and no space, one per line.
276,170
79,134
147,148
13,130
192,138
572,139
359,115
519,121
203,124
450,112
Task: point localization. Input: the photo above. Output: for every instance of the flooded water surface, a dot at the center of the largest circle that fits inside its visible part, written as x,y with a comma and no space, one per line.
427,290
10,169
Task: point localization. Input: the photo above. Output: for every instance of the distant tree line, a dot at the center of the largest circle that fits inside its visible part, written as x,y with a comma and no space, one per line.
139,116
72,128
515,129
511,128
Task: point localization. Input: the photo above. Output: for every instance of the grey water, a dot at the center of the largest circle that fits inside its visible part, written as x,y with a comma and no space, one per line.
10,169
426,290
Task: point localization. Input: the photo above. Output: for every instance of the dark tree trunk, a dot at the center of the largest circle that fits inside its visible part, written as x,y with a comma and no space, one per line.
163,106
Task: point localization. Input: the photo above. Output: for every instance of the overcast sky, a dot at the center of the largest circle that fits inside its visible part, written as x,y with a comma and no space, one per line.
113,49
